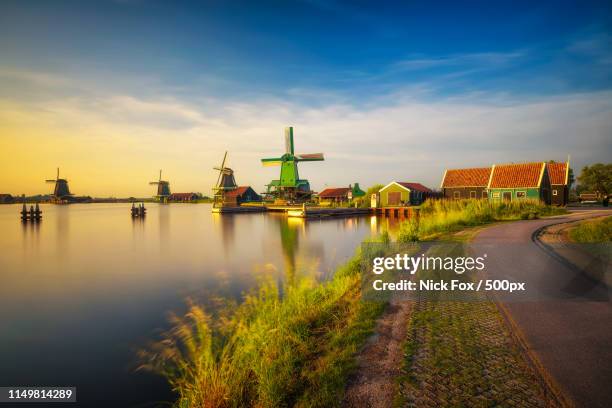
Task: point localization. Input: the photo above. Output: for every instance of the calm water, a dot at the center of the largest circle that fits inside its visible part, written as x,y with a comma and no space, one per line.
88,286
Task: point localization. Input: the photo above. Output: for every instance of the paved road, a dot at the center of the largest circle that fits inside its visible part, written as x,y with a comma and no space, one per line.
566,318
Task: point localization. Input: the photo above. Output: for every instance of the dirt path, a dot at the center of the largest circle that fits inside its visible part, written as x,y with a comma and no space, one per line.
379,364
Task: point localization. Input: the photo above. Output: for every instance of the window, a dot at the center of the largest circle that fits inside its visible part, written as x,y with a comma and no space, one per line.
554,192
472,194
484,194
496,194
521,194
456,194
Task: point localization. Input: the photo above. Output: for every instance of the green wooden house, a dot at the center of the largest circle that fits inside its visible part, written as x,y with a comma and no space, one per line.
509,182
399,193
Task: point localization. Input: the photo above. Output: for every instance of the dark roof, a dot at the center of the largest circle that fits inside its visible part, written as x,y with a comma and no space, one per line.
472,177
334,192
415,186
557,173
238,191
516,175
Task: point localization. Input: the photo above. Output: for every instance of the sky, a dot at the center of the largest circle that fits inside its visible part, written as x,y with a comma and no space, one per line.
112,91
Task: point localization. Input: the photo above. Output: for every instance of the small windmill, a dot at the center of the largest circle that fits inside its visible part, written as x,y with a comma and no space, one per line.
225,181
61,190
290,187
163,188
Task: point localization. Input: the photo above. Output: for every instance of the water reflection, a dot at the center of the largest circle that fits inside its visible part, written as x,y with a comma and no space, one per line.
98,283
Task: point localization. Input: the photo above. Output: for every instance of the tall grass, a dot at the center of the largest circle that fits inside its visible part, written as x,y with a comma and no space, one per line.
594,231
443,216
291,350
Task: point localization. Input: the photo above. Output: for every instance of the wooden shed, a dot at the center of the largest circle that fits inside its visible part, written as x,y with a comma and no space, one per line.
465,183
400,193
519,181
239,195
559,179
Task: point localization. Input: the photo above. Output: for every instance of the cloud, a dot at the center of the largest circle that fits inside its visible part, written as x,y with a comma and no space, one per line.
112,142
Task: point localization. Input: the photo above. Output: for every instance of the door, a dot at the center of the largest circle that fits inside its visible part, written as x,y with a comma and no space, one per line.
394,198
507,196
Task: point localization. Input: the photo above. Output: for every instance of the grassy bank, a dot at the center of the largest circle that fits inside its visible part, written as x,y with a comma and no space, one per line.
291,350
592,231
438,217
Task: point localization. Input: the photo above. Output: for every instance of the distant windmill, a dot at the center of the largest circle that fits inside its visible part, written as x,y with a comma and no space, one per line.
290,186
61,190
225,180
163,188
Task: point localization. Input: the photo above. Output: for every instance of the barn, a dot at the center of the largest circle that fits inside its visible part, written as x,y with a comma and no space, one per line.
559,180
521,181
400,193
465,183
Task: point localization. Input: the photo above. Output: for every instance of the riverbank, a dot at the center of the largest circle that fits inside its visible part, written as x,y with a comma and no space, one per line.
297,345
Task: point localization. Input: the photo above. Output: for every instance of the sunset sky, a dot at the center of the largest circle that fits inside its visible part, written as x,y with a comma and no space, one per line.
112,91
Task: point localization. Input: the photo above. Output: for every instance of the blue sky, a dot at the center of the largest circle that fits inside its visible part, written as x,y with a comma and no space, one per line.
280,61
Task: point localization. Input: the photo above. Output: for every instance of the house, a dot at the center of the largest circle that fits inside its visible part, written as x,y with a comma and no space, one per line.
339,195
182,197
331,196
399,193
6,199
239,195
559,180
521,181
465,183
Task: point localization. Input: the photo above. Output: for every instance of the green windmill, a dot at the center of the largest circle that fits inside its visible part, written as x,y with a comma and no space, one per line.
290,187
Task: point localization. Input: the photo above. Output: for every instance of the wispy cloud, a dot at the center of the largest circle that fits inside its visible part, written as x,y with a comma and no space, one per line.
104,134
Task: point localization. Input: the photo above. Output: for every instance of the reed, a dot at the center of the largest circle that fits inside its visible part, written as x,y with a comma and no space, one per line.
294,349
443,216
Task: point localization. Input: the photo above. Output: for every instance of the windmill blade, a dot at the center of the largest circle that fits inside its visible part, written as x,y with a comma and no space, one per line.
289,140
152,183
57,177
221,169
310,157
277,161
50,181
160,175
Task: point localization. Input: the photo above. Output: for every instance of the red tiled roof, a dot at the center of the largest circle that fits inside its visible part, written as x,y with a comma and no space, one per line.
516,175
334,192
415,186
557,172
237,192
473,177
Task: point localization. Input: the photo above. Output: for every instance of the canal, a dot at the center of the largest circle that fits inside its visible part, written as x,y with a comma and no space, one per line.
82,291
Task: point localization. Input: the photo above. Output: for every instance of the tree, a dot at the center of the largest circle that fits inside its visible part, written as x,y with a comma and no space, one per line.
596,178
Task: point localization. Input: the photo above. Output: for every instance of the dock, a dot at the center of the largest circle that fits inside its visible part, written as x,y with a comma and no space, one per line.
304,211
239,209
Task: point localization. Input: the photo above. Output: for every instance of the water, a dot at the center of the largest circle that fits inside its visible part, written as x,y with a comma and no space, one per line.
86,288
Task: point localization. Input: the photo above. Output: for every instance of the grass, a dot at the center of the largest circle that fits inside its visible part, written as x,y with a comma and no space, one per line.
294,349
593,231
437,217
